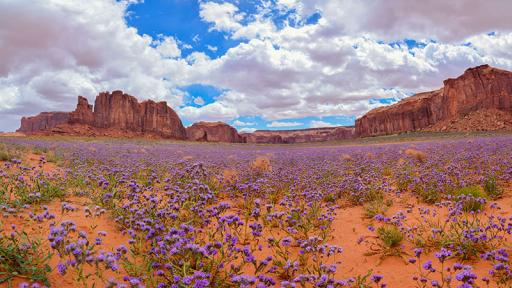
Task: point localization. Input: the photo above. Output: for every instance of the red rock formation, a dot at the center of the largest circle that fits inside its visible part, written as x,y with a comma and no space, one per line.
43,121
83,113
480,120
481,87
300,136
122,111
213,132
115,114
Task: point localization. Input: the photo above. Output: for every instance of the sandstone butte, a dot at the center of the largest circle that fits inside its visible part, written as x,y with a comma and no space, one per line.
300,136
213,132
455,105
114,114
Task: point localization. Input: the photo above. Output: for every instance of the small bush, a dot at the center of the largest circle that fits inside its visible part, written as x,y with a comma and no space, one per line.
474,191
261,164
4,156
416,154
492,189
376,207
472,198
22,256
430,195
40,150
390,235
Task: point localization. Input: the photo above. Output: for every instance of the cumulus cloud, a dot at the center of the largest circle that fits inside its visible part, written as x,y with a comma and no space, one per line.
223,16
446,21
241,123
211,112
247,130
168,47
320,124
212,48
280,124
199,101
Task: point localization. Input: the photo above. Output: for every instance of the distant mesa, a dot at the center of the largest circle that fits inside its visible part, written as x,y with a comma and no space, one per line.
300,136
114,114
463,104
213,132
480,99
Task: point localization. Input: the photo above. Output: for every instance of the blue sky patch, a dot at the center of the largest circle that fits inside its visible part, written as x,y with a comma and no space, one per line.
207,93
179,19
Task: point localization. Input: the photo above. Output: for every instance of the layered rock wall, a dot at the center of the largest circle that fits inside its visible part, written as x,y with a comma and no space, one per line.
481,87
300,136
43,121
114,113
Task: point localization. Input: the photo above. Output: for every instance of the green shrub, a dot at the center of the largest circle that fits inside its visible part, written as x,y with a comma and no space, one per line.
53,156
390,235
21,255
4,156
473,200
475,191
492,189
430,195
375,207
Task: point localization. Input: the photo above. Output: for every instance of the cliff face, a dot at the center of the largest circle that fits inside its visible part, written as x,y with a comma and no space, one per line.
43,121
213,132
122,111
115,114
482,87
300,136
83,113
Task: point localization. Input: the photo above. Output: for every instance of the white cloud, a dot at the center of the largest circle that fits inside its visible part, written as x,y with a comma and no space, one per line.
199,101
283,124
223,16
241,123
320,124
247,130
168,47
212,48
211,112
447,21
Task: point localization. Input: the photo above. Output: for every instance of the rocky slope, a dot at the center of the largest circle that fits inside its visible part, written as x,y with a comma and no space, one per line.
481,87
300,136
480,120
114,114
213,132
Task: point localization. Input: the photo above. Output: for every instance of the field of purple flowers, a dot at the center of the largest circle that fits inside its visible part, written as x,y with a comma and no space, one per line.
134,213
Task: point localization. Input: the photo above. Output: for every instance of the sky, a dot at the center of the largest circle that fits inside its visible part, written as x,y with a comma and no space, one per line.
254,64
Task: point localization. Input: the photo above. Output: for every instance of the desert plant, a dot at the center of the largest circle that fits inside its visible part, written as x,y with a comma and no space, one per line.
22,256
390,235
416,154
376,207
429,195
261,164
388,242
472,198
4,156
491,188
